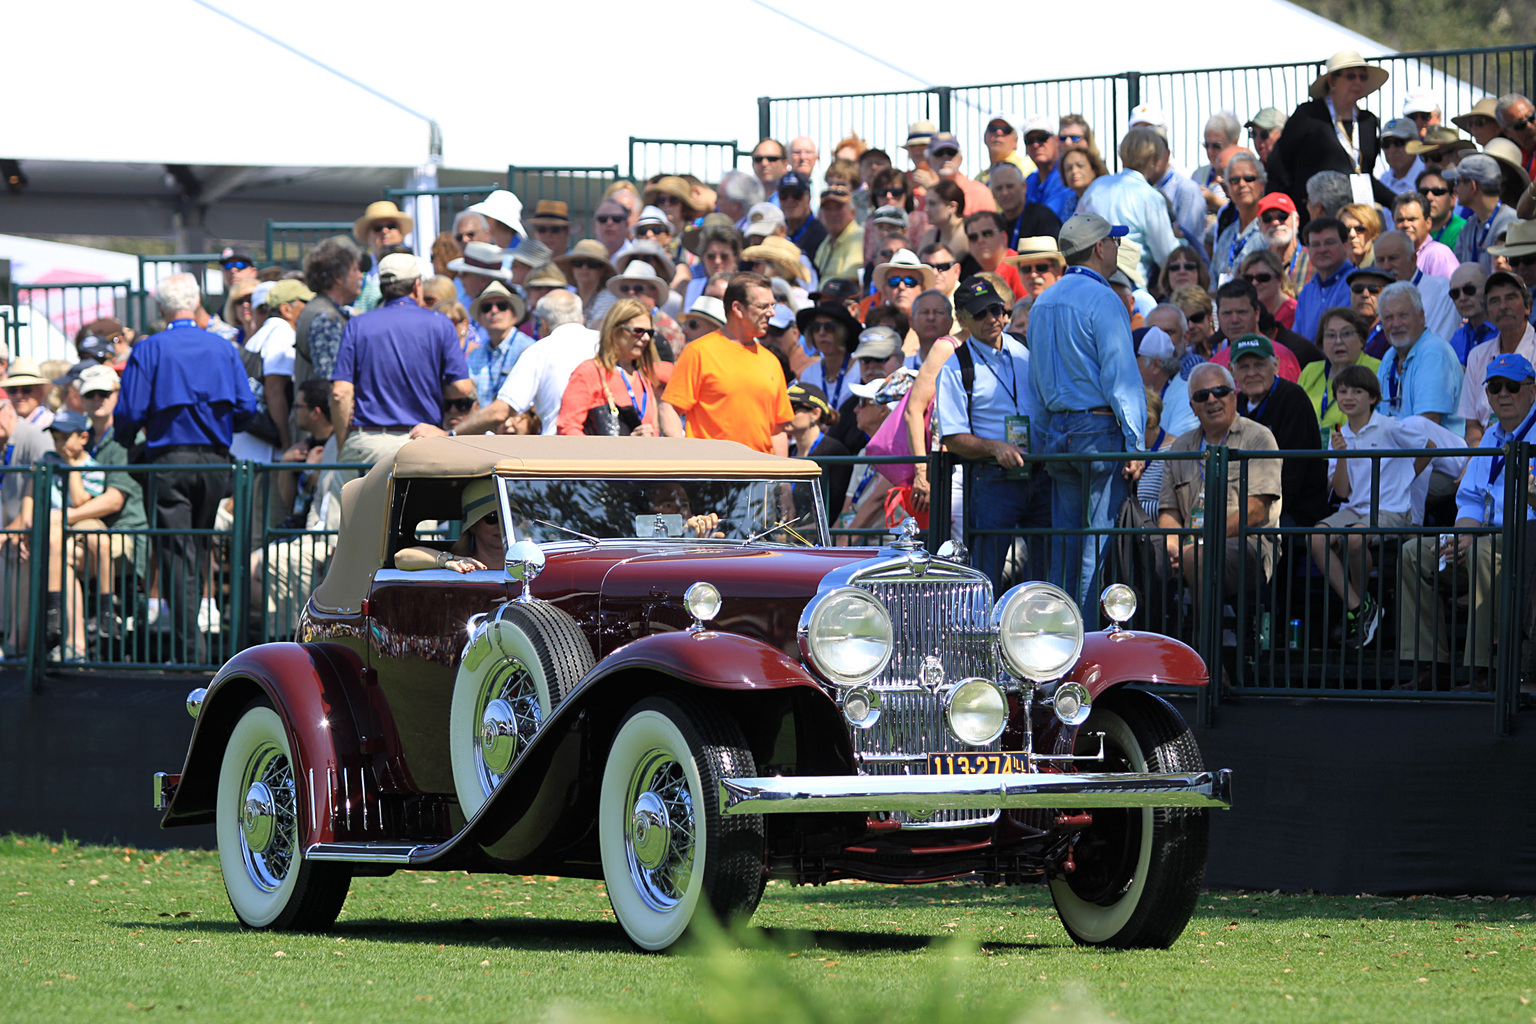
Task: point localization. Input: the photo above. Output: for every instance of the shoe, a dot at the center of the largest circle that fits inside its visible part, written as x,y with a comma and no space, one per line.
158,616
208,618
1362,625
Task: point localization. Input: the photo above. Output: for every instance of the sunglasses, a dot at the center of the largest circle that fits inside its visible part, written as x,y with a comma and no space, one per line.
943,266
611,218
1070,138
465,237
1393,143
1522,124
766,159
1259,134
999,129
1341,335
491,519
1351,230
1276,216
237,264
1465,291
643,333
1174,268
1437,190
908,281
978,236
89,395
695,324
1354,76
1036,269
1206,394
668,201
1246,179
496,306
1499,385
1258,278
1366,289
379,229
823,325
1421,115
992,312
634,289
460,404
584,264
647,230
1200,317
1034,139
891,191
1213,145
550,229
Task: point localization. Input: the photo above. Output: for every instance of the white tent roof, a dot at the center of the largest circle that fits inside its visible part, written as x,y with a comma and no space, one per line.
164,81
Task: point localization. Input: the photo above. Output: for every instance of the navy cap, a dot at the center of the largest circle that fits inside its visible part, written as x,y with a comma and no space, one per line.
976,294
1510,366
792,181
67,421
100,349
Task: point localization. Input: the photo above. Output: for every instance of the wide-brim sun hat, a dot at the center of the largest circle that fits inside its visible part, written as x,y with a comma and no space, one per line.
586,249
482,258
497,290
503,207
838,314
383,209
477,501
1508,155
642,272
1485,107
1519,240
781,252
1341,61
1034,248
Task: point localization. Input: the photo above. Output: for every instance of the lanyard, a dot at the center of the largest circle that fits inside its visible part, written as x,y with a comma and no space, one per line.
819,438
1345,139
1496,465
1482,237
1157,445
1327,369
1018,227
645,394
10,450
837,385
1200,465
1392,376
1258,410
1238,242
1012,388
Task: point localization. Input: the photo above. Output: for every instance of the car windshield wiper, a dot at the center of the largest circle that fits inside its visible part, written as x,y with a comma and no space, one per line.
566,529
787,525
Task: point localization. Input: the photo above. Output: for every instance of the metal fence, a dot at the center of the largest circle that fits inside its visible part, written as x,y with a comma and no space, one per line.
289,240
42,319
1269,634
142,312
1186,98
581,189
705,159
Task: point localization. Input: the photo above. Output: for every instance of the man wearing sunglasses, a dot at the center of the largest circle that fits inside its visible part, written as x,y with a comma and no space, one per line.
1264,130
1467,293
1517,120
1022,218
1509,308
1510,385
769,163
794,199
1403,166
1044,187
1245,180
1477,180
1087,393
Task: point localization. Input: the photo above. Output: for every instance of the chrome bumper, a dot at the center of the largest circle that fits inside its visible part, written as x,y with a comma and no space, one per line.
164,789
928,793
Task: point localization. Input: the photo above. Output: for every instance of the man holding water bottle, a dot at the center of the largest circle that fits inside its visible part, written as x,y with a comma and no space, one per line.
1510,384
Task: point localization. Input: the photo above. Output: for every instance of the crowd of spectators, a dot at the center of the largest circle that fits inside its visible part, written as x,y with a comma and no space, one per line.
1331,282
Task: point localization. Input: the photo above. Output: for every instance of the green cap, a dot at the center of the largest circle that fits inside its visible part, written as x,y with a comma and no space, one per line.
1252,345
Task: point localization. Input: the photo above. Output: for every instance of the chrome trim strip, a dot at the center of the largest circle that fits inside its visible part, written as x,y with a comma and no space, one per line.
164,789
872,793
364,853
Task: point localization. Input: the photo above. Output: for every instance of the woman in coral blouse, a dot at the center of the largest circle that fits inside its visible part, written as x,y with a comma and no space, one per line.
623,379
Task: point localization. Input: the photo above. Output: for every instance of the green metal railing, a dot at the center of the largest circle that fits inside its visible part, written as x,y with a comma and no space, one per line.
65,307
705,159
580,188
1268,637
1186,98
289,240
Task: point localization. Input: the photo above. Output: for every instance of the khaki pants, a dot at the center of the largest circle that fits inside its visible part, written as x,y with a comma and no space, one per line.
1421,628
368,446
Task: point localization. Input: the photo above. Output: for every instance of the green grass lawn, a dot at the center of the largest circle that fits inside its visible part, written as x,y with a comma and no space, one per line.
97,934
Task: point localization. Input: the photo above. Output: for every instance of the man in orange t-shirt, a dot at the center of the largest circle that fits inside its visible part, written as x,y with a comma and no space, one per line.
726,384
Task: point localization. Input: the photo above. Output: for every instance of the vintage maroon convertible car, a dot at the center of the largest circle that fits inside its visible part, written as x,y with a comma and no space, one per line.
686,716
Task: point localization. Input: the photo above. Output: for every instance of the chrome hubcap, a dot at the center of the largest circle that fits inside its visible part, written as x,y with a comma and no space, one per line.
498,736
659,832
259,817
650,832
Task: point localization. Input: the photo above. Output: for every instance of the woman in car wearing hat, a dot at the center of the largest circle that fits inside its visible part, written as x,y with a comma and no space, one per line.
1330,132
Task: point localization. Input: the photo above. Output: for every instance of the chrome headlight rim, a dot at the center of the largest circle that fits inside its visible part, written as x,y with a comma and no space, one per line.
1071,703
1023,594
947,701
1118,602
813,619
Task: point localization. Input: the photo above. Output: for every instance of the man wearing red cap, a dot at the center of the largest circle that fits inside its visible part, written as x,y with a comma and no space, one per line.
1278,223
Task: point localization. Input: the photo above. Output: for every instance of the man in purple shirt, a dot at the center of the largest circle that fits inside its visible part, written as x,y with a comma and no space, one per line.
396,366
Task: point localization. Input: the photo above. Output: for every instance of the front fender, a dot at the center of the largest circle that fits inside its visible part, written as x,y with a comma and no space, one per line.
317,690
724,661
1110,658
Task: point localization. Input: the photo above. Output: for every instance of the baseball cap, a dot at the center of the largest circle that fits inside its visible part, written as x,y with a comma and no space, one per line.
1269,118
1276,201
976,294
397,266
1400,128
783,317
67,421
1154,343
1008,119
793,181
260,292
837,192
1420,101
836,289
1478,167
653,215
98,378
231,253
1252,345
1148,115
99,349
809,394
942,141
1510,366
877,343
890,215
1038,123
1083,230
763,219
290,291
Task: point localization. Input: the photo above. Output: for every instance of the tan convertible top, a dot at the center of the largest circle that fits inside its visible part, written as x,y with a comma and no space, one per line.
639,457
365,503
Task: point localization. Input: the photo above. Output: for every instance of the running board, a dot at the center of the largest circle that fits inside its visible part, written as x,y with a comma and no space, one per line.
790,794
367,853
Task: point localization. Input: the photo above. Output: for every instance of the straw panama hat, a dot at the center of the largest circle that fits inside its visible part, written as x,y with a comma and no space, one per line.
1376,77
383,209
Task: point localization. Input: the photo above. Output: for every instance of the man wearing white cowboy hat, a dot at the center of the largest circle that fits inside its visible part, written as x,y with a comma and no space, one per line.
498,310
1519,251
28,390
1039,263
1330,132
503,211
902,280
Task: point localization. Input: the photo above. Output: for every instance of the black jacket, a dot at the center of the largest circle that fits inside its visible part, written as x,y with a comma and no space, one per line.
1309,144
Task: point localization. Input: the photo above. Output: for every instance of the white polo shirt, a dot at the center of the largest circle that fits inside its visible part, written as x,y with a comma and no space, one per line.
1396,474
539,376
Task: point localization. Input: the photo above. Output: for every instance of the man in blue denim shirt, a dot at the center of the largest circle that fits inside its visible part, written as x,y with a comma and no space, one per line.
1324,239
1088,394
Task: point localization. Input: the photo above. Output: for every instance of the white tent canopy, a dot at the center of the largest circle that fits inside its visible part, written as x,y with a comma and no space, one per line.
172,81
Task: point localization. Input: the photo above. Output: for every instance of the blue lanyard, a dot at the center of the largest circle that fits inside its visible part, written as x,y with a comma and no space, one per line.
174,324
819,438
1327,369
645,395
1477,247
1013,373
1392,376
1258,410
10,450
1496,465
836,386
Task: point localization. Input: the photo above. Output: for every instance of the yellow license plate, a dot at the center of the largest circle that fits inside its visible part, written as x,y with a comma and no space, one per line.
979,763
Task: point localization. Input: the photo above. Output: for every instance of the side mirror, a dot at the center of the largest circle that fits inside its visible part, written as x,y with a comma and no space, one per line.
525,560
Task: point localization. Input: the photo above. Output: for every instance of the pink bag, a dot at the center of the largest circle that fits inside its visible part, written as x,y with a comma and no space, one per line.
891,439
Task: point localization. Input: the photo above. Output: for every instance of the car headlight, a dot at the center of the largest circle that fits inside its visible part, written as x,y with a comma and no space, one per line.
1119,603
977,710
847,636
1039,631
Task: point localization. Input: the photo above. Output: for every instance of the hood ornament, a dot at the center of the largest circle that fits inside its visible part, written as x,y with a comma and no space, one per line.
908,536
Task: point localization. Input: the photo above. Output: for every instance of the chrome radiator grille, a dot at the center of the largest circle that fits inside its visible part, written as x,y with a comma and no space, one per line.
943,618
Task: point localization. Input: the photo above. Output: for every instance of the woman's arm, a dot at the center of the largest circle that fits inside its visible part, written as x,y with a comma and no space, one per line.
919,398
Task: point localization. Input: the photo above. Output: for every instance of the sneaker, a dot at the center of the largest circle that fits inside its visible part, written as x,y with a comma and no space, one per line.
208,618
1363,623
158,615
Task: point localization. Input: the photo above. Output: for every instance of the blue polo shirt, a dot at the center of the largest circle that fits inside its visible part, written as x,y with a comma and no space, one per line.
1051,191
1001,390
1428,380
1484,477
183,386
1469,335
397,358
1319,294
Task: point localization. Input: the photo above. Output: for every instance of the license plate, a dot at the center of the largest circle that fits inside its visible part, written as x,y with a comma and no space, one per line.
1004,762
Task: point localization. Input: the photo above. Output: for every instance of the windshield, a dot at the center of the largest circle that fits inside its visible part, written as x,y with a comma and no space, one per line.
761,511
